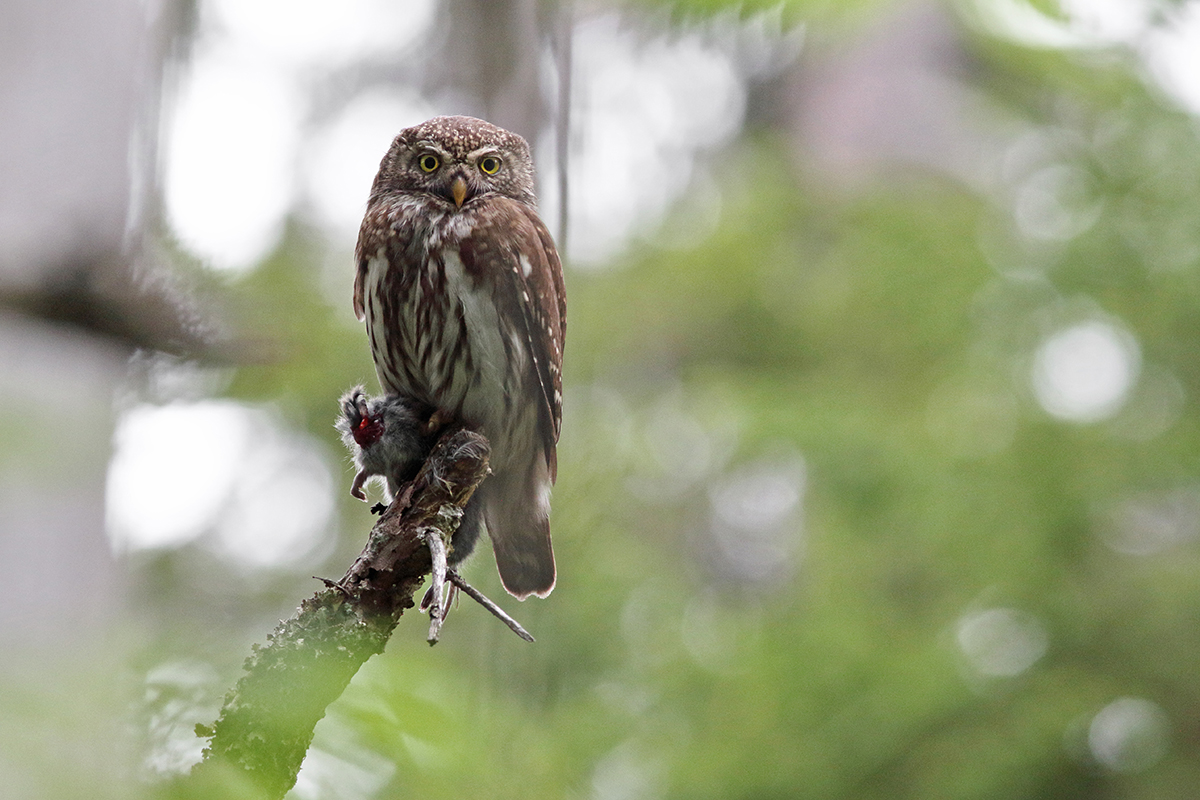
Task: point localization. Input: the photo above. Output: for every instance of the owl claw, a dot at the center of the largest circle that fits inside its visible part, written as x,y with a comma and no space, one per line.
451,598
437,420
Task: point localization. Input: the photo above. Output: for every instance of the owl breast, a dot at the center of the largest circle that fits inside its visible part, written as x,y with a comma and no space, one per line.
435,324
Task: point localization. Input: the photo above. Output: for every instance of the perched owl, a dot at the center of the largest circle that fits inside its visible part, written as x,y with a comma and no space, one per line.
462,292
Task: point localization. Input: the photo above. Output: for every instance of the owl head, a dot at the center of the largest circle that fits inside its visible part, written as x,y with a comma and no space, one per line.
457,159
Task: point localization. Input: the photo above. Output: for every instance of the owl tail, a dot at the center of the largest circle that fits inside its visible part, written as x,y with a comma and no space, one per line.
517,510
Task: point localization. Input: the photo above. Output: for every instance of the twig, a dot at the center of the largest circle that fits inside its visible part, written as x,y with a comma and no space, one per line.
479,597
437,552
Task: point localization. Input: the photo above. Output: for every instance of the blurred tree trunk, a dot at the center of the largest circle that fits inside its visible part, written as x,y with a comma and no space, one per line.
79,91
490,60
896,94
490,64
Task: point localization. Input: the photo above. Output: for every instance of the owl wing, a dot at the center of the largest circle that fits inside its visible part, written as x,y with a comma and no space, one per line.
511,249
360,280
368,236
538,281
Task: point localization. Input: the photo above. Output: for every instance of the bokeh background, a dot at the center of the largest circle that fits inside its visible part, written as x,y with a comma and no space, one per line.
880,466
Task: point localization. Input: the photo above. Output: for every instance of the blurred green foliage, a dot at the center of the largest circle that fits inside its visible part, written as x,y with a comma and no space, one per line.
879,341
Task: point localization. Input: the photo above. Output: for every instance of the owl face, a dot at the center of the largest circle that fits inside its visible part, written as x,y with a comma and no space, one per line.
457,159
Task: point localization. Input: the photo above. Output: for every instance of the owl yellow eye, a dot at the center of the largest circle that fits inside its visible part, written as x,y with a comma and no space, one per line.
489,164
428,162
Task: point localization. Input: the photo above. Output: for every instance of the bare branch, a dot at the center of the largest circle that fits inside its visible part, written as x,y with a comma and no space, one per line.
482,599
437,583
267,721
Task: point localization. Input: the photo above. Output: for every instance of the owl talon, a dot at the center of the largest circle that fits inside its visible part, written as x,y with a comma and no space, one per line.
451,597
437,420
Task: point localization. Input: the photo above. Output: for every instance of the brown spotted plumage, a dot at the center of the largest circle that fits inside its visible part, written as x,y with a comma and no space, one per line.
462,292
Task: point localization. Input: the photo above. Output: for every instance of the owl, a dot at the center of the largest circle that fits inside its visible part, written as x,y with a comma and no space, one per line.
462,292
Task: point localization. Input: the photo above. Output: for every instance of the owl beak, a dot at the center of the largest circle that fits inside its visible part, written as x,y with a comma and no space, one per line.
458,189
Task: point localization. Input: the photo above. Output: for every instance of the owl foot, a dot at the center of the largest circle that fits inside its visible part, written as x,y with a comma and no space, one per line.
437,420
451,596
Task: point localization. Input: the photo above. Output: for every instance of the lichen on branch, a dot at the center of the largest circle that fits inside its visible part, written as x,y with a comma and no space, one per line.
266,724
